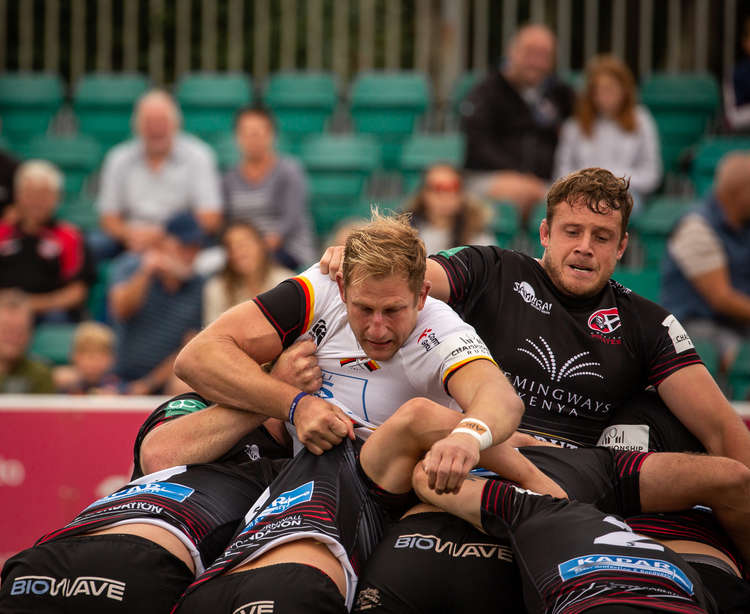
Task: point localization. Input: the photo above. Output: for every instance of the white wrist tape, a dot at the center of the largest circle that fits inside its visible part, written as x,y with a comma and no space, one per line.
476,428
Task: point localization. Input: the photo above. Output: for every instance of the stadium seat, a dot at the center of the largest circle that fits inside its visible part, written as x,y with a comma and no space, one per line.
80,210
77,156
210,100
421,151
683,105
646,281
707,157
387,105
461,88
302,102
709,355
654,224
506,223
28,101
538,213
739,374
103,104
52,342
96,304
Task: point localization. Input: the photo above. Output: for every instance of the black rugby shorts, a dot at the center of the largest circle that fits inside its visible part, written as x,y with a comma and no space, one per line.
285,588
93,574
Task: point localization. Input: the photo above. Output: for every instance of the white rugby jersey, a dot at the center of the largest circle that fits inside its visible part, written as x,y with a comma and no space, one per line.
440,344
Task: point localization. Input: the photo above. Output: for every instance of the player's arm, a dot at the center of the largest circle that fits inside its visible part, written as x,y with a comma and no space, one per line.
694,398
223,363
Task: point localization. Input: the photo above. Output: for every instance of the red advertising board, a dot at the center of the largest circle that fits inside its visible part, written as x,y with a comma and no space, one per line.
57,455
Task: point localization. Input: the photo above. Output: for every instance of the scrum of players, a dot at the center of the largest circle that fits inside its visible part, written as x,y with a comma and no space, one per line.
472,431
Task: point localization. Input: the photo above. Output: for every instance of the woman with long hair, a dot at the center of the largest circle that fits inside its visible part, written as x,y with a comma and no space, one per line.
249,270
611,130
445,214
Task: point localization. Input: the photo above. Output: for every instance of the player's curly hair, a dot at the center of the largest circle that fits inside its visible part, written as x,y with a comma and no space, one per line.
595,187
387,245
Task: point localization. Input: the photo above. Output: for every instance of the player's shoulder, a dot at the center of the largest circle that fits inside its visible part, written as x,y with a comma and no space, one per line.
634,302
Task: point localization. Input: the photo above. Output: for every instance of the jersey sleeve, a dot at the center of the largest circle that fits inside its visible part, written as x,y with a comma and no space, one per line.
468,269
669,348
291,306
175,407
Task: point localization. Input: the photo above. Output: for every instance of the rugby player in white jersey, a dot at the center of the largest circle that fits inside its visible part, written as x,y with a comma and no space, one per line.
381,342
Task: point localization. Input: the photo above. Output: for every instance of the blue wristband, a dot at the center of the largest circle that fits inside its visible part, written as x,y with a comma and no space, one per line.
293,406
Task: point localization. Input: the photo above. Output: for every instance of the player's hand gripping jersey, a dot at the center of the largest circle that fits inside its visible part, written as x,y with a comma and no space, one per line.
572,360
595,561
440,344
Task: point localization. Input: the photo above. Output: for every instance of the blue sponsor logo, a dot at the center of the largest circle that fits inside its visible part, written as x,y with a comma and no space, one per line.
165,490
283,502
590,563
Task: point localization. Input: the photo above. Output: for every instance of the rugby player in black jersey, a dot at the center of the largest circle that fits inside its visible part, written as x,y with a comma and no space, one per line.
138,548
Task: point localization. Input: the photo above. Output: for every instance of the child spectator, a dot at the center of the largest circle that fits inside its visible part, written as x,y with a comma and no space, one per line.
248,271
611,131
446,215
92,357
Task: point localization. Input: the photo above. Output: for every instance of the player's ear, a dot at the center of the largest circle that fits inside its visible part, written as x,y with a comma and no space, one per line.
422,296
342,290
623,245
544,233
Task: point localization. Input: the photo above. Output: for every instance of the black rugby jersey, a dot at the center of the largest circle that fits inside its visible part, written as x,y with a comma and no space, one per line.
573,361
204,503
595,561
257,444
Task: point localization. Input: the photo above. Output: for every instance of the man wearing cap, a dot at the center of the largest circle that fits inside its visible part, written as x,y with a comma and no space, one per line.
155,302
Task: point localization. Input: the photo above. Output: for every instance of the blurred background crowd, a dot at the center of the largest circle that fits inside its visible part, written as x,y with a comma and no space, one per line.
162,161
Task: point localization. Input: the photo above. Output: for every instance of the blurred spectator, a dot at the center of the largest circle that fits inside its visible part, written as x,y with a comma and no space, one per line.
269,191
248,271
511,120
19,374
92,356
342,229
45,258
446,215
146,181
706,281
737,90
155,300
611,131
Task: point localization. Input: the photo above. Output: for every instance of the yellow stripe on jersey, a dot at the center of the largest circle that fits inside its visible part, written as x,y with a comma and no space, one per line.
309,292
453,368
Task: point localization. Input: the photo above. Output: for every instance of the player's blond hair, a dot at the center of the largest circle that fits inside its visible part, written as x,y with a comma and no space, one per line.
93,336
387,245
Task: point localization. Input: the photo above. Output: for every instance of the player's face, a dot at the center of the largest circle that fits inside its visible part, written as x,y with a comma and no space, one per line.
581,248
382,312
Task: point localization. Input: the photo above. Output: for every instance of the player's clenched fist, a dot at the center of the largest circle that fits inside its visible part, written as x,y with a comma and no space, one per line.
298,366
449,460
320,425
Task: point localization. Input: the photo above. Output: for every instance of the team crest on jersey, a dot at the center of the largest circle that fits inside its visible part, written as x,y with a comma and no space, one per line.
318,330
605,320
367,598
360,363
428,339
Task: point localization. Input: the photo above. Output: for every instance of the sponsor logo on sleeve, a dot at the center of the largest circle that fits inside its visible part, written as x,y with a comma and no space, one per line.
184,406
460,347
628,437
580,566
680,339
318,331
529,296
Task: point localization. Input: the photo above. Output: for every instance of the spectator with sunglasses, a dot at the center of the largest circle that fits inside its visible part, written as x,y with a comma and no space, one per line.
445,214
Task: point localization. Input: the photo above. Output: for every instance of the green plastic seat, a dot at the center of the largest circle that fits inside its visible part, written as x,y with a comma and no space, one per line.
104,102
506,223
77,156
52,342
28,102
96,304
302,102
421,151
80,210
709,355
210,100
538,213
683,106
645,281
739,374
654,224
461,88
388,104
339,166
707,157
